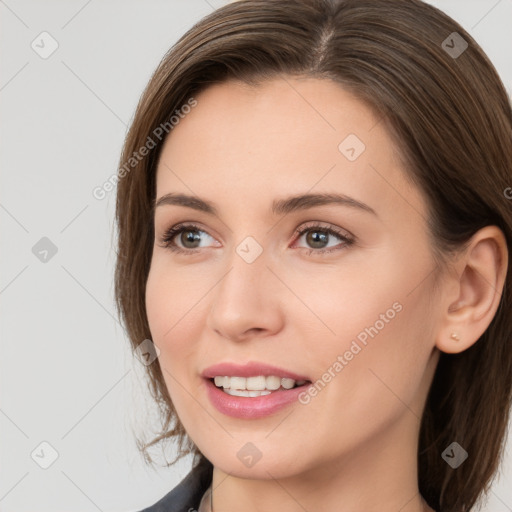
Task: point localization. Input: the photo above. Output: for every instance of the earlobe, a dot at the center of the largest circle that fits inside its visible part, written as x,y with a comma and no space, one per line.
482,269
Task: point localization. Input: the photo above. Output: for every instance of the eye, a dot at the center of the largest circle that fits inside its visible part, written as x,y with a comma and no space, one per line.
190,234
318,236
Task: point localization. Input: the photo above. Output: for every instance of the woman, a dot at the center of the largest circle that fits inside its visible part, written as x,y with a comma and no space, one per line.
313,239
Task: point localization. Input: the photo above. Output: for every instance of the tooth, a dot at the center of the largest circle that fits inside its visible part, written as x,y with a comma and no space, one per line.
273,382
226,382
287,383
259,393
234,392
301,382
238,383
219,381
244,392
256,383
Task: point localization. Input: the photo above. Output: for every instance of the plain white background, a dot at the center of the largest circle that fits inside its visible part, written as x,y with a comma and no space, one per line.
67,375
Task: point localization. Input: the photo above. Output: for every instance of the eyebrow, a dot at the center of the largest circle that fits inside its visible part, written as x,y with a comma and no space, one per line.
279,206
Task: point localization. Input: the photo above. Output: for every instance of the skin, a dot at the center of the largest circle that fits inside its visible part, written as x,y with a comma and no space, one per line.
353,446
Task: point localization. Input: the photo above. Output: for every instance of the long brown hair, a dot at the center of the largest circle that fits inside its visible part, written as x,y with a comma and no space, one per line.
451,119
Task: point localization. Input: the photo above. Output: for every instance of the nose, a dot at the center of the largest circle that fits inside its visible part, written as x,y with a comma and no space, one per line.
247,302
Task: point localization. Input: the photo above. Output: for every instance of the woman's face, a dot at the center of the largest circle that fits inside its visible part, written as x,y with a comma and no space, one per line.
356,318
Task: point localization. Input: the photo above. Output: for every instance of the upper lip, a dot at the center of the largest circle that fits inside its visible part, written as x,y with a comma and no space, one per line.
250,369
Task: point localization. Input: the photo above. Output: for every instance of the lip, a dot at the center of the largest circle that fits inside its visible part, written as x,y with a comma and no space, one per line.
251,407
250,369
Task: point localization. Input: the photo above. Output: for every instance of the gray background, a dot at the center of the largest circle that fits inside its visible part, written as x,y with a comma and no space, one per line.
67,376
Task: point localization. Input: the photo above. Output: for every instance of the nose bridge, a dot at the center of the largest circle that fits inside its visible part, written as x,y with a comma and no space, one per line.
246,277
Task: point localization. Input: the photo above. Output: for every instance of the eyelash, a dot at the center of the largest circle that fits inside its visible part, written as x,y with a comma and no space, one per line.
171,233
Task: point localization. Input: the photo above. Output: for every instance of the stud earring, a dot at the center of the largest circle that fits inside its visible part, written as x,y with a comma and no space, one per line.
454,336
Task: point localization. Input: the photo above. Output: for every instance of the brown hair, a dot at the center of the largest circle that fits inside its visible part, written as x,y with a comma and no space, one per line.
451,120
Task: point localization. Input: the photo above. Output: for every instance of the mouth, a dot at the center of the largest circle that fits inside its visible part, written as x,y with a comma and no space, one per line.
256,386
252,390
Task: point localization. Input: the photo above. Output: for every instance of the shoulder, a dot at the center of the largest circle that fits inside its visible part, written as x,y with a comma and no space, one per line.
187,495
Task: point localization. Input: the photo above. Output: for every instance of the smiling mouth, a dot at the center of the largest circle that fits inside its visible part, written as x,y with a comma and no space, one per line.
256,386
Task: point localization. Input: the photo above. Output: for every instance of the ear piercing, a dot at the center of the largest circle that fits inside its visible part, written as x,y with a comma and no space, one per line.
454,336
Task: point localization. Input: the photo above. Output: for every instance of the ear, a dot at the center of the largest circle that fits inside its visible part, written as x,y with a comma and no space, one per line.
475,291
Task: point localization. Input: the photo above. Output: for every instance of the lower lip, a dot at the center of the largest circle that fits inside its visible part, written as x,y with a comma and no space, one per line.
251,407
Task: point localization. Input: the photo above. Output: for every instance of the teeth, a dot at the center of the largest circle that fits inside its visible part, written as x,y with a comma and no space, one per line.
254,384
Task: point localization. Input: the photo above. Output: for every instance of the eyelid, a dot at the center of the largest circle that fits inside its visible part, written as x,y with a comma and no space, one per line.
176,229
323,226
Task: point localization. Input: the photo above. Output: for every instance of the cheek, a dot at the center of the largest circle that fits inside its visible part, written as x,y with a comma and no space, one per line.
172,321
374,322
173,308
174,299
384,363
337,304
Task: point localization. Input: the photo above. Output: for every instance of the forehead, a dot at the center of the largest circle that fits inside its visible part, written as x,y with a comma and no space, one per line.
287,135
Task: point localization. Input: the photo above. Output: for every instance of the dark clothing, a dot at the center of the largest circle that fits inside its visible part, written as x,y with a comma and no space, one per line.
188,493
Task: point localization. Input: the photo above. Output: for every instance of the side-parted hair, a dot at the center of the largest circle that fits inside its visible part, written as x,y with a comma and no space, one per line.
450,118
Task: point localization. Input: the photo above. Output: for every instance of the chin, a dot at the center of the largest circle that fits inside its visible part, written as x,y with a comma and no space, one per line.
250,462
